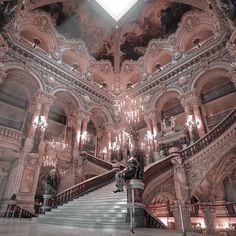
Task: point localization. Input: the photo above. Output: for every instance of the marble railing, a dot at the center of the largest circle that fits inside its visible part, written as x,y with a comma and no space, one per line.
14,210
210,137
10,137
99,162
86,186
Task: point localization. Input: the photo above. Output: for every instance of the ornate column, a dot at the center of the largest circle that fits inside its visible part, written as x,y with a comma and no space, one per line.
85,117
47,103
197,114
182,213
77,135
209,215
155,131
191,103
109,134
148,121
99,133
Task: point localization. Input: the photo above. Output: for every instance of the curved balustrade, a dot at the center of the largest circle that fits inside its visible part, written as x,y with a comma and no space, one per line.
210,136
88,185
10,136
157,169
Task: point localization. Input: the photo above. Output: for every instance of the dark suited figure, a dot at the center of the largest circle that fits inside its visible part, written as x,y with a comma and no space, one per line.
51,183
130,172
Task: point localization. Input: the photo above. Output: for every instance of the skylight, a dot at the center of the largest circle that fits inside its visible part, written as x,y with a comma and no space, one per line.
116,8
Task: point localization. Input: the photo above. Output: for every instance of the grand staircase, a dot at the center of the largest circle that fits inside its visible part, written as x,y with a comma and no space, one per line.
101,208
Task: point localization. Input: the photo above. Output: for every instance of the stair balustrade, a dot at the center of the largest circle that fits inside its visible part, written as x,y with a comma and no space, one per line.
14,210
210,137
84,187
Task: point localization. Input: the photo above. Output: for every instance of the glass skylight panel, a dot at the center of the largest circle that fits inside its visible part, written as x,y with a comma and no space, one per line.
116,8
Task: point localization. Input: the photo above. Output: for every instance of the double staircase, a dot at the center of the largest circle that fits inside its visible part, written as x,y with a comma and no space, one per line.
99,209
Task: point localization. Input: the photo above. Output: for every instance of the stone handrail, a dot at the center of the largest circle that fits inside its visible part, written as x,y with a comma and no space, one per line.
14,210
210,136
99,162
84,187
151,221
9,133
156,169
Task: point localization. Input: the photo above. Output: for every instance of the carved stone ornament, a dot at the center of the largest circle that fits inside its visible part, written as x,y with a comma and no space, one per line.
164,184
207,161
32,160
191,22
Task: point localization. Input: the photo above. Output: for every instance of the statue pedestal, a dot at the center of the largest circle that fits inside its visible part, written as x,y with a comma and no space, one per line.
47,203
134,199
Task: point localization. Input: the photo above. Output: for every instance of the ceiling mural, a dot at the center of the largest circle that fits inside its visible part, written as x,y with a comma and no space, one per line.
78,20
158,19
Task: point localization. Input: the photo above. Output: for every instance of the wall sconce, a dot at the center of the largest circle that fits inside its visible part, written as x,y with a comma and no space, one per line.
191,123
41,122
85,137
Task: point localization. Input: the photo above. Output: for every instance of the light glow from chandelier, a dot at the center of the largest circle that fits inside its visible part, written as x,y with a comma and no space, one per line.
132,109
117,8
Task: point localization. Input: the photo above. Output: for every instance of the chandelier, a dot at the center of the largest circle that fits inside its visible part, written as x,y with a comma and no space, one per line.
131,108
58,145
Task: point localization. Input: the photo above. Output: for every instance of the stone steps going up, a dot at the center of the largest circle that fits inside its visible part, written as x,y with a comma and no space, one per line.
99,209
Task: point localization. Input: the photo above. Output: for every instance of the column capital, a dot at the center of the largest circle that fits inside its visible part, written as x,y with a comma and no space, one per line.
83,115
44,98
188,98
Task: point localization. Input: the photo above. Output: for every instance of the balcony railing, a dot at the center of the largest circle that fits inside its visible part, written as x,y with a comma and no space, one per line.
210,137
10,137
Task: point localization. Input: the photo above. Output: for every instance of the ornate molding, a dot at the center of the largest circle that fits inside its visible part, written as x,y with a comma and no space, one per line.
164,183
199,165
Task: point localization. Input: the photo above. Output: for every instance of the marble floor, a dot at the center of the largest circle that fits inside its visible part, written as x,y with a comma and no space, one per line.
27,228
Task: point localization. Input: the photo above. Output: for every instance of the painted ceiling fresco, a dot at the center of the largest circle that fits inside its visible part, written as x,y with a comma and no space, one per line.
78,20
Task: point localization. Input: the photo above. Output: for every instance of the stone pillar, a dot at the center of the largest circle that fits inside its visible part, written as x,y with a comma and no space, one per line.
182,213
190,102
134,199
23,178
197,114
109,134
156,146
83,130
209,215
77,134
99,139
148,121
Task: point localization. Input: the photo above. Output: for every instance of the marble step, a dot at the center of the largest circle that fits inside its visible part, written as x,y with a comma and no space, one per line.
85,224
85,220
87,214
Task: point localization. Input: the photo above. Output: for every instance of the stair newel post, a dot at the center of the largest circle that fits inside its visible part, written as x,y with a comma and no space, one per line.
134,197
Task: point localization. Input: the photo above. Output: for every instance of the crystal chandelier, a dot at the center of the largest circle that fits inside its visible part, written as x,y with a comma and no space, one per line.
131,108
58,145
49,161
